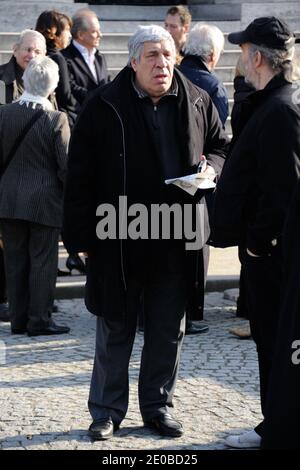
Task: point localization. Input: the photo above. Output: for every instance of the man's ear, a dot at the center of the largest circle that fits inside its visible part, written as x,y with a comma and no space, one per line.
79,35
258,59
186,28
133,64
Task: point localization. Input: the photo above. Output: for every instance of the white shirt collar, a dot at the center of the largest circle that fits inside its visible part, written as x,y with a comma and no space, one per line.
83,50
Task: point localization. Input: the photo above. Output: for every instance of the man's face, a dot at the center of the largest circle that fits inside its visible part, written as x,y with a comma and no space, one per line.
177,30
154,71
29,48
248,64
90,38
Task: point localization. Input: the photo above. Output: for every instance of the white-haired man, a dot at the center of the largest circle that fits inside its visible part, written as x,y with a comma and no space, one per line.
148,125
202,52
29,44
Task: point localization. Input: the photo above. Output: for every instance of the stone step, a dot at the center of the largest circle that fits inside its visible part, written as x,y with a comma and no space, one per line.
290,11
157,13
111,41
242,1
122,26
120,58
16,16
225,74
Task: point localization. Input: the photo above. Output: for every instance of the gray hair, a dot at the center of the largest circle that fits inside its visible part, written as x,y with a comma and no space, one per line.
279,61
203,40
152,33
81,21
32,33
41,76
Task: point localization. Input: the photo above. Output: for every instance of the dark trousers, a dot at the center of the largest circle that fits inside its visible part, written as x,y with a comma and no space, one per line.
263,277
164,322
195,303
31,256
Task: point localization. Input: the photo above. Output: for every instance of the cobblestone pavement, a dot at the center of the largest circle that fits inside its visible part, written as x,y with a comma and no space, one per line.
45,382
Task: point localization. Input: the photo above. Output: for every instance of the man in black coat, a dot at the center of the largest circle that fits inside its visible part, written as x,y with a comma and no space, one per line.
281,427
255,189
150,124
87,67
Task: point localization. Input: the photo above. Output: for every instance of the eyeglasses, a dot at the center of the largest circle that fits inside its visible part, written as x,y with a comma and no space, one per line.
32,49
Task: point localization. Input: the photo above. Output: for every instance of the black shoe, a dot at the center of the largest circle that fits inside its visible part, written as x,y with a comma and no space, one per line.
4,312
165,425
75,262
52,329
102,429
193,328
18,331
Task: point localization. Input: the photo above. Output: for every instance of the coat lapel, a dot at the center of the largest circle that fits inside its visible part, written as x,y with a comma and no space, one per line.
81,63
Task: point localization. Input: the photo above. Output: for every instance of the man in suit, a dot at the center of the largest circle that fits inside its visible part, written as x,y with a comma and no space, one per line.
148,125
87,67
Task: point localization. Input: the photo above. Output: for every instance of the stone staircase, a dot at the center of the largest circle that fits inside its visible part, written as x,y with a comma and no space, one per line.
118,22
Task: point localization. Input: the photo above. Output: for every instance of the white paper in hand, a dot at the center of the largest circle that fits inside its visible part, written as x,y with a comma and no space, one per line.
191,183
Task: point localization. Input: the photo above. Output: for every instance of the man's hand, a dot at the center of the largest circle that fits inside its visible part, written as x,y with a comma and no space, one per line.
206,169
209,172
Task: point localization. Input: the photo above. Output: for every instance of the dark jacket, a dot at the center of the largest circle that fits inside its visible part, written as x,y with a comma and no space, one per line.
81,78
108,135
241,106
66,102
283,405
9,87
196,71
254,191
11,83
32,186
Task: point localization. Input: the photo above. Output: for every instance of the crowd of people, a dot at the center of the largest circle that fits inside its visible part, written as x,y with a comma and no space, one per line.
162,117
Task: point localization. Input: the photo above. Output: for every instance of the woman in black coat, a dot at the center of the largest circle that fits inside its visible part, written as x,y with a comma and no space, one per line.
55,27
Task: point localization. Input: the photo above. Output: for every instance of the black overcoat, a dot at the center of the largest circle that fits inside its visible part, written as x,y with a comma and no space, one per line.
282,418
261,171
107,132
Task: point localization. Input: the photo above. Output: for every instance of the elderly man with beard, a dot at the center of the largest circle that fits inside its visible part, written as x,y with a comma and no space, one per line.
148,125
255,189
